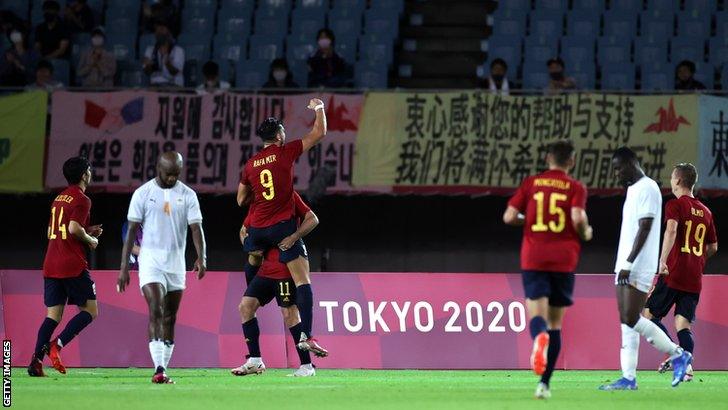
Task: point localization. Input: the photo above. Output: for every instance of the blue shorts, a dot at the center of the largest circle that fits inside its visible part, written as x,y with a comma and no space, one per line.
74,291
557,286
262,239
265,289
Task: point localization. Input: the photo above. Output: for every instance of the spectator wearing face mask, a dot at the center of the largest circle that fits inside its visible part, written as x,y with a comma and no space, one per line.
18,63
684,80
280,75
78,17
212,84
326,68
52,38
97,66
44,78
164,61
559,82
497,83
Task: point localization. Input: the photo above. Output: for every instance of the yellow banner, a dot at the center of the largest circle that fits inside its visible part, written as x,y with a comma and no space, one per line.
478,139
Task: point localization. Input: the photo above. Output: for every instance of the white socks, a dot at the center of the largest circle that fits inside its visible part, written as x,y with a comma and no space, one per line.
656,337
156,350
168,349
629,353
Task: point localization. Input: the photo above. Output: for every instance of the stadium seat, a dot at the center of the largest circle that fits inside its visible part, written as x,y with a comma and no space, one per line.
265,48
540,49
510,26
693,24
718,51
307,22
276,26
231,52
620,77
626,6
235,26
226,70
123,51
577,49
145,41
647,51
345,47
244,10
340,12
515,4
583,23
274,6
133,78
299,70
200,4
199,26
237,4
21,8
546,23
251,74
62,71
375,52
611,51
391,6
657,77
556,5
620,24
118,11
378,21
535,76
705,73
190,13
120,26
509,51
198,52
656,25
667,6
191,72
686,49
591,6
367,76
701,6
187,39
297,50
321,5
584,74
724,77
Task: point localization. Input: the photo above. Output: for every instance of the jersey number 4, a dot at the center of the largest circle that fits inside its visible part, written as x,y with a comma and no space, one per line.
266,179
554,209
699,238
61,225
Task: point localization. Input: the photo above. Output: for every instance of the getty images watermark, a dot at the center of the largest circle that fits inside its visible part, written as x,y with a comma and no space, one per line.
7,391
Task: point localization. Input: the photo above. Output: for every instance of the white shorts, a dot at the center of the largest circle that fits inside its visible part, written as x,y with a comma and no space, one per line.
642,281
170,281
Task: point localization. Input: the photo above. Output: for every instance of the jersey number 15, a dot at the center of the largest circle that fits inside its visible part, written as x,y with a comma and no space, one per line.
554,209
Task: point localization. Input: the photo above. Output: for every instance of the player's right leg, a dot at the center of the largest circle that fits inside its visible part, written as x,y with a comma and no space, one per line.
154,293
562,291
260,291
301,273
292,320
54,314
685,306
537,288
252,265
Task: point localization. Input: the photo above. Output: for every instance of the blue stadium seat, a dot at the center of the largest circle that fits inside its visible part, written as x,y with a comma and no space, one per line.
123,47
340,12
345,25
297,50
721,24
391,6
621,24
97,6
117,11
509,51
199,26
718,51
515,4
693,24
231,52
657,76
187,39
345,47
235,26
244,10
556,5
120,26
535,76
593,6
21,8
724,76
702,6
251,74
646,51
145,41
540,49
237,4
378,22
306,21
368,76
583,23
626,6
133,78
275,6
321,5
200,4
375,52
667,6
299,69
620,77
584,73
546,23
276,26
38,4
682,48
61,71
657,25
512,26
351,4
577,49
198,52
226,70
189,13
705,73
272,12
612,51
263,47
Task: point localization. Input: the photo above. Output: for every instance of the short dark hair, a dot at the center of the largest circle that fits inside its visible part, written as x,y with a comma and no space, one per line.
74,168
688,174
499,61
51,5
562,151
329,34
44,64
624,154
269,128
210,69
689,64
555,60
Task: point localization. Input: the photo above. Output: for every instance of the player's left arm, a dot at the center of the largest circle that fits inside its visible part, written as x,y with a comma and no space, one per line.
512,216
319,126
80,212
668,241
712,239
198,237
310,222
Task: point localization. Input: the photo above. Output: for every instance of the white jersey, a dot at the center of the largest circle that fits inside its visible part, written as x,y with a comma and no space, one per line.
644,200
165,214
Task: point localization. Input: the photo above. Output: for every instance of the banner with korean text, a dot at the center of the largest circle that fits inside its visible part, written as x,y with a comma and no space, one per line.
124,132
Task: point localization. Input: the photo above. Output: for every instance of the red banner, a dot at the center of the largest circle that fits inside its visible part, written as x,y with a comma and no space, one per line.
368,320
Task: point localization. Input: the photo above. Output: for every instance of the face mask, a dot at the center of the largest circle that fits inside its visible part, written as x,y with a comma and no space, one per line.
50,17
97,41
497,77
211,84
557,76
280,75
324,42
16,37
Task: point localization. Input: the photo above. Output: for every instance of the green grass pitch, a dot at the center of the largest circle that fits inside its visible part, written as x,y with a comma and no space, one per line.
209,389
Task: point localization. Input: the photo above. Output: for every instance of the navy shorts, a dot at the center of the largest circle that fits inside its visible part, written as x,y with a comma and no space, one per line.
664,297
265,289
73,291
262,239
557,286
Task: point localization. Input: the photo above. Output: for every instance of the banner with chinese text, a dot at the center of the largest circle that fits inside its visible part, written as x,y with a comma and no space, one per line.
123,134
22,141
713,162
471,141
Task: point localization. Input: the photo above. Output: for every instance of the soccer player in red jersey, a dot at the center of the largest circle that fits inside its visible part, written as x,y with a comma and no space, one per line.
266,183
689,240
273,280
551,207
65,273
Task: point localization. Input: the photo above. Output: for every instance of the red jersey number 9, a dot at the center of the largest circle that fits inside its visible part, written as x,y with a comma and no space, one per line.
554,209
61,226
266,179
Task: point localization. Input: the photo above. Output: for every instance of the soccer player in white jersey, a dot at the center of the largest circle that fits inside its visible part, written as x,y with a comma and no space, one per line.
639,245
165,206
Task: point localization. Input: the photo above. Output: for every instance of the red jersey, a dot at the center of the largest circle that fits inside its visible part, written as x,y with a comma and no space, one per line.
269,173
66,255
550,242
695,230
272,268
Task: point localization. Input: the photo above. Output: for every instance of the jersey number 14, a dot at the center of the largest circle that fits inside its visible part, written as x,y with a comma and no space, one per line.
52,226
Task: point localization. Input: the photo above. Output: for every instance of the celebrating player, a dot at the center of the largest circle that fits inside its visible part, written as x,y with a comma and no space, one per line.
65,273
274,281
682,261
639,242
554,205
266,184
165,206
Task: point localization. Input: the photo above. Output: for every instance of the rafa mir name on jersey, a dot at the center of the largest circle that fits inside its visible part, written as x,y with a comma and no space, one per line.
263,161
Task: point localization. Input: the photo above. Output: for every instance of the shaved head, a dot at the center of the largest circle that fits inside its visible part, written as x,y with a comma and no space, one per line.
169,166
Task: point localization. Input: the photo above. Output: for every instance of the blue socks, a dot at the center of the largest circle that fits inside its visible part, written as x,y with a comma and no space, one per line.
685,337
74,327
536,326
251,331
553,355
250,272
44,336
304,302
303,355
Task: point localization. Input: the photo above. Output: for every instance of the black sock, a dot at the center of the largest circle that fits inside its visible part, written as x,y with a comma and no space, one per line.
74,327
537,326
553,355
304,302
251,331
44,336
685,337
250,272
303,355
659,324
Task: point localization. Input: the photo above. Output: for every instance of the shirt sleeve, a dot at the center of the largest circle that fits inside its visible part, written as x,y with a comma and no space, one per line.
301,208
649,201
244,177
194,214
579,198
672,211
80,211
712,236
136,207
178,58
292,151
520,199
